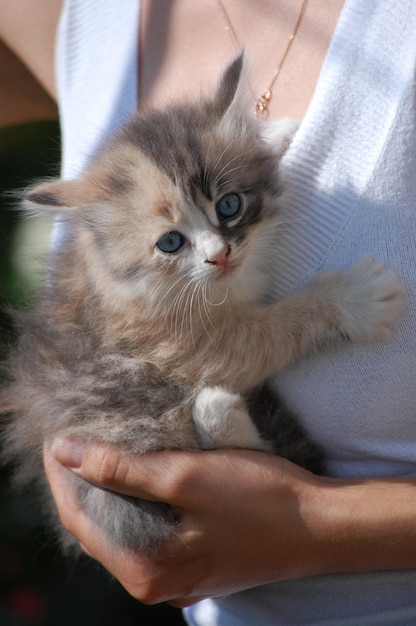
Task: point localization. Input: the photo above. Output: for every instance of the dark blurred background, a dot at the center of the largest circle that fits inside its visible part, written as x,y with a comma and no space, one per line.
37,586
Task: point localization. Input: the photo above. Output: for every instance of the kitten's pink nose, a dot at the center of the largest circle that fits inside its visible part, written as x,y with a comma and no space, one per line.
219,257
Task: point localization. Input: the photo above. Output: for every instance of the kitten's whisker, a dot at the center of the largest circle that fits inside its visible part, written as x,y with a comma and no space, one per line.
181,307
168,292
195,294
187,310
163,308
228,172
205,303
205,178
246,164
168,309
202,299
190,307
212,169
218,161
221,302
225,167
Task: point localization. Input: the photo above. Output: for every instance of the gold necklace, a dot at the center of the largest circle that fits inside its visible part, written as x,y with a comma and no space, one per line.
262,102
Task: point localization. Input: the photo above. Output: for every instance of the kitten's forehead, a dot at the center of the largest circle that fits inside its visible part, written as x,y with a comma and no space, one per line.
155,195
171,140
171,168
199,152
131,179
147,199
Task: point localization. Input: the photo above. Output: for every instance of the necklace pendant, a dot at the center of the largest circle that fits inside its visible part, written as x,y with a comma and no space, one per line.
261,107
262,103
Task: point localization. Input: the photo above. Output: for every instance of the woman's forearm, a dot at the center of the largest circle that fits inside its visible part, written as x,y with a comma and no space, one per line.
362,525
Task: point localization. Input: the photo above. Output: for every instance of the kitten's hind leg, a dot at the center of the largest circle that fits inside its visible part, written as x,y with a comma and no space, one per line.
222,421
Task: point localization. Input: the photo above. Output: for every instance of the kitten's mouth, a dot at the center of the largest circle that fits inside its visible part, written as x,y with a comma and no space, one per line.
226,268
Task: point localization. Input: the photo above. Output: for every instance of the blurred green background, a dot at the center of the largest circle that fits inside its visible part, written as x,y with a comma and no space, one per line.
37,586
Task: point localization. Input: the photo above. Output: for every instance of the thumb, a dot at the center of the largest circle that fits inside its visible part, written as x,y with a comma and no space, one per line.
157,476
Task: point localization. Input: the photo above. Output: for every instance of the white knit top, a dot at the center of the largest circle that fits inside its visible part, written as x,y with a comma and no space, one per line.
351,176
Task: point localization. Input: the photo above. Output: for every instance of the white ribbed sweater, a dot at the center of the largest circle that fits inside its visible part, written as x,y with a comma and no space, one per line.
351,176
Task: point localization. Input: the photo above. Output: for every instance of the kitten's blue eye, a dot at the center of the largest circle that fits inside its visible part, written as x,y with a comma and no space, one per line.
171,242
229,206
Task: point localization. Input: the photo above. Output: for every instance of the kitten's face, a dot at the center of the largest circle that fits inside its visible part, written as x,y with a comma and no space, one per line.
180,206
204,231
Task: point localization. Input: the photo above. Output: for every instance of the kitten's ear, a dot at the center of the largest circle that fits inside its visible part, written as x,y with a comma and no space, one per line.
57,195
228,89
279,134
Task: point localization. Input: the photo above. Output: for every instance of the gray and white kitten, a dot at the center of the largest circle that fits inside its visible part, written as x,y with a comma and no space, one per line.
152,330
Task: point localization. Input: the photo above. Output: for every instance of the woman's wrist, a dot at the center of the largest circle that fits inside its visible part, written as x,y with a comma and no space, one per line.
359,525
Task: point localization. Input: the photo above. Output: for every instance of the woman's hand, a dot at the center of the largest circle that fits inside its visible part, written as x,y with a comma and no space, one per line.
243,521
247,518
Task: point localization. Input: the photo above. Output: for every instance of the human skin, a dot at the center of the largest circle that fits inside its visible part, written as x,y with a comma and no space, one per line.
184,49
27,34
246,517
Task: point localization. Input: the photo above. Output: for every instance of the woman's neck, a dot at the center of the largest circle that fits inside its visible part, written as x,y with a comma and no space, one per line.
197,47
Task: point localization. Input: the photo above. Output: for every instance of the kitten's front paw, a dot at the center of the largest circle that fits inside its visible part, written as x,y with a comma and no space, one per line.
370,298
221,421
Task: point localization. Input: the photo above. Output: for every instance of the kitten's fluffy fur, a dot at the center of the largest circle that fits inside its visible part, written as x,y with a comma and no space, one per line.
147,348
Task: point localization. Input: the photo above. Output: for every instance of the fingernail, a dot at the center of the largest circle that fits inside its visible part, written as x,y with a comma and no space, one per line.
68,452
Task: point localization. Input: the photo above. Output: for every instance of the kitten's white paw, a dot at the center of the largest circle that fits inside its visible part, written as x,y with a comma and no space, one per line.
369,298
221,421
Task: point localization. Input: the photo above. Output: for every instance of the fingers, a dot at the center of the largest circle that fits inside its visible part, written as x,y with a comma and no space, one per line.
136,572
182,603
168,476
72,516
227,539
159,476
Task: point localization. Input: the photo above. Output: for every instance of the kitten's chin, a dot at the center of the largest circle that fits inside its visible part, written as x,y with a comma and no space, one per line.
243,284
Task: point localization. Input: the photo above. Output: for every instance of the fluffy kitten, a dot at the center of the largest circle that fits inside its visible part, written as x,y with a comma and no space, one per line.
152,330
